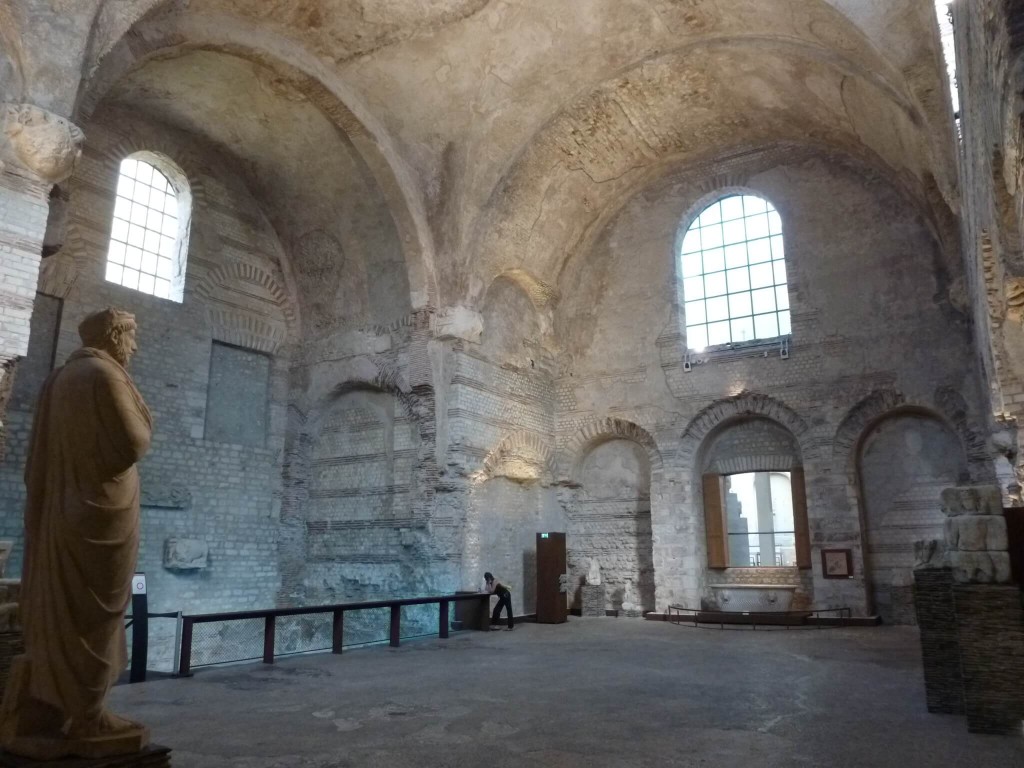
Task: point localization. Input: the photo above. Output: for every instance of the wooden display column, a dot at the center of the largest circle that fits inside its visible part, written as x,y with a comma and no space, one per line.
551,579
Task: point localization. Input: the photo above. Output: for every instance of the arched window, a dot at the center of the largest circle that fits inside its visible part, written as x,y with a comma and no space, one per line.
149,231
734,274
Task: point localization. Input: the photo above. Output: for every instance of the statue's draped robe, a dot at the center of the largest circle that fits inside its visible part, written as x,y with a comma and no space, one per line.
81,530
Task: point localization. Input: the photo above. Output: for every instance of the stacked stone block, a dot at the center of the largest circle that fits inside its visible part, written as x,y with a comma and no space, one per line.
976,534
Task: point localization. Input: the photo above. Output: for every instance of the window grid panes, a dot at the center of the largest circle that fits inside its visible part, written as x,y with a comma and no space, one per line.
144,231
734,274
759,520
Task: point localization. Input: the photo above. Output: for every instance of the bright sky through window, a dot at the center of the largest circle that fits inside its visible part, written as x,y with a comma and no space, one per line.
144,232
946,35
734,274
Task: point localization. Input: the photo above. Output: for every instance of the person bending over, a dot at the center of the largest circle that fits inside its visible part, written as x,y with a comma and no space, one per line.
504,594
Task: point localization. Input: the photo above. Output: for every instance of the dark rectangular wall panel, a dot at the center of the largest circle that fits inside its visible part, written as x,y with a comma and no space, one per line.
237,396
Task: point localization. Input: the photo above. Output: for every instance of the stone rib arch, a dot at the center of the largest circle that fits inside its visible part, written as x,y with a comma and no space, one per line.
240,327
177,30
868,411
541,294
949,407
521,457
180,154
575,451
364,373
744,405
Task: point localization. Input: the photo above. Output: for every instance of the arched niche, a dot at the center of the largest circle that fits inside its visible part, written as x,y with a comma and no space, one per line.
904,460
609,520
502,523
512,327
362,459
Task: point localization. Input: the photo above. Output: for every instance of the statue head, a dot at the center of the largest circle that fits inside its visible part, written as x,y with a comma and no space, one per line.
111,331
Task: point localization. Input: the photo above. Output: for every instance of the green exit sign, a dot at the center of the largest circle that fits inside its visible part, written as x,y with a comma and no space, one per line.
544,535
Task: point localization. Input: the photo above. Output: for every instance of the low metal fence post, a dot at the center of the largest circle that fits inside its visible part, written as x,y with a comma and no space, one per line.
177,641
269,626
442,619
396,625
337,632
185,657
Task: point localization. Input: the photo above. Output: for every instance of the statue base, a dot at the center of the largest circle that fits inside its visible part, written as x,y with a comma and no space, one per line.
593,600
153,756
34,730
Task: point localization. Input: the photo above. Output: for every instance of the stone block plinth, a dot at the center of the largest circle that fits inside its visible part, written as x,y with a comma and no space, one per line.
940,647
153,756
593,597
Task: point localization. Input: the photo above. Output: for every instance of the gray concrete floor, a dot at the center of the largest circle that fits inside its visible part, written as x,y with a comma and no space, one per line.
593,693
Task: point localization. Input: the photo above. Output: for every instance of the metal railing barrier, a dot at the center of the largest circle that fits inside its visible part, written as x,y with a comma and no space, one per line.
337,611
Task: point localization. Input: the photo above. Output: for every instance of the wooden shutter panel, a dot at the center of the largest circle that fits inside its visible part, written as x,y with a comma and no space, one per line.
803,534
714,521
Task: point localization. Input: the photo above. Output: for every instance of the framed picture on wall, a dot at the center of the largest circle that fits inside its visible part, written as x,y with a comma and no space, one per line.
837,563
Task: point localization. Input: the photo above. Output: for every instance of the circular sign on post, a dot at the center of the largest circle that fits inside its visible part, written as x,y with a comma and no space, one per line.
139,584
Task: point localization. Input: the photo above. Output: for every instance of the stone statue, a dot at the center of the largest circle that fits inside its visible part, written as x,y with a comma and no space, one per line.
630,600
594,574
81,542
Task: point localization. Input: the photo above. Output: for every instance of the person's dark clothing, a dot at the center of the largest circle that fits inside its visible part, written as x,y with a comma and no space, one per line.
504,599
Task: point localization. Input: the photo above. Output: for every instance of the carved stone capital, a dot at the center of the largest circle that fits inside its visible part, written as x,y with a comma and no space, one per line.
44,144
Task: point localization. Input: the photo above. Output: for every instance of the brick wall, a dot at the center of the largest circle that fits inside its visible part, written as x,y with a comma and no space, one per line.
609,519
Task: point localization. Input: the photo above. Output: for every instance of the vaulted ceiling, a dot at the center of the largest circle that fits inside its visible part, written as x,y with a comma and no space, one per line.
486,135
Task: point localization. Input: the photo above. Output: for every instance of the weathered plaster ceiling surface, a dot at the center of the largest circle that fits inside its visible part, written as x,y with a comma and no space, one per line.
499,132
505,72
668,113
339,30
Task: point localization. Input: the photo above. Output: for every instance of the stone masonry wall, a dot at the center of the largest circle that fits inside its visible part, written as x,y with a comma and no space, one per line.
609,520
904,462
490,407
874,330
219,492
23,213
989,48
